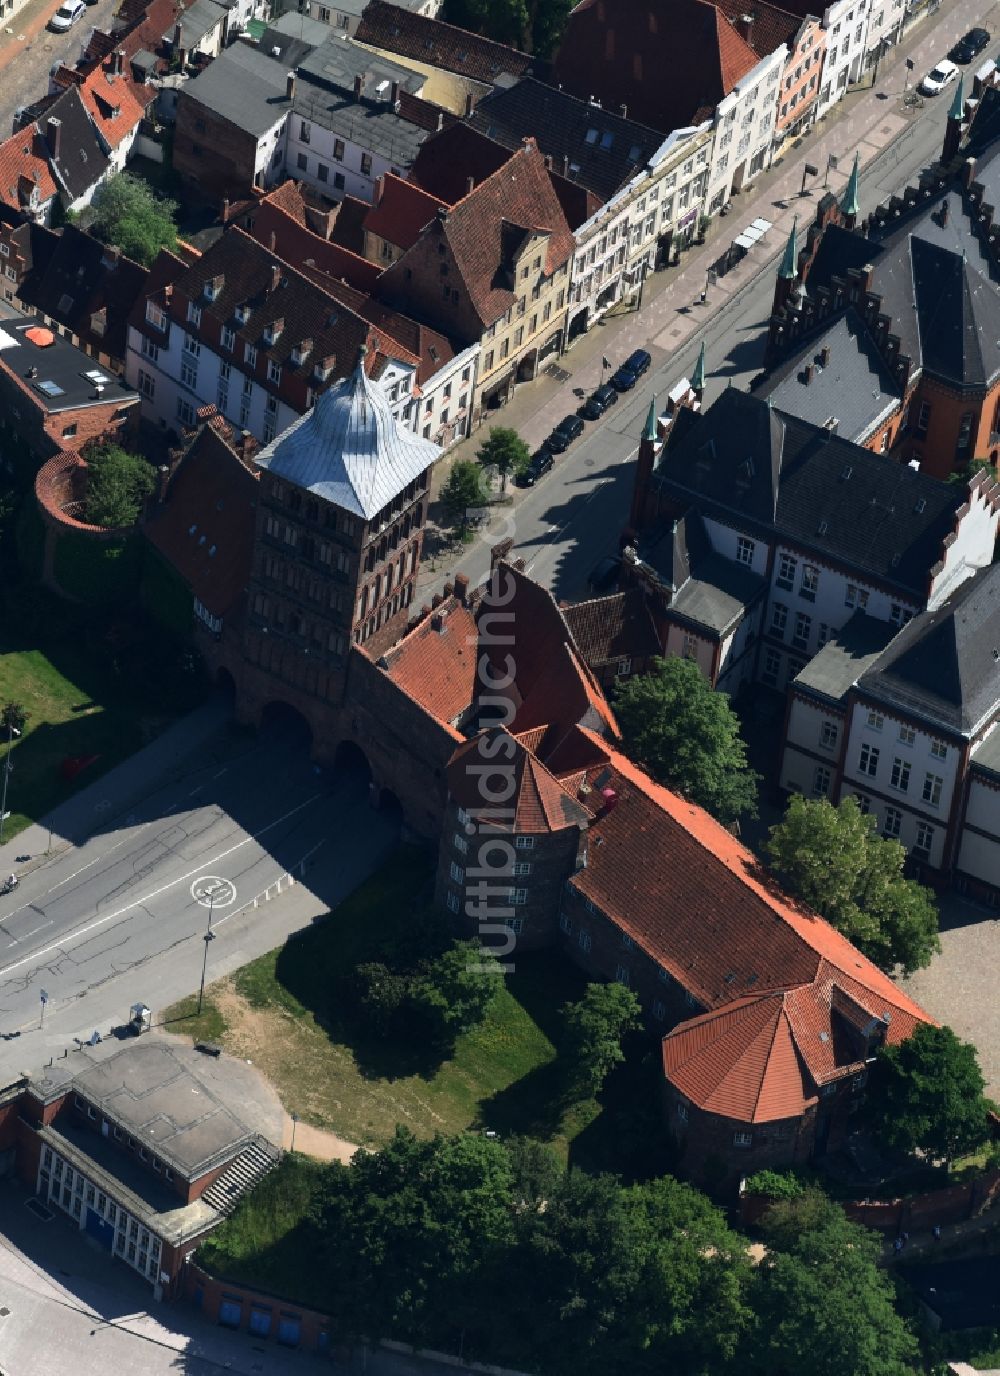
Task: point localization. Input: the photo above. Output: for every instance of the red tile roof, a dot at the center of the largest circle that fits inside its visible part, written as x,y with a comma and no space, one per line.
619,51
282,215
540,803
613,627
698,902
437,668
115,102
401,210
446,161
24,164
205,529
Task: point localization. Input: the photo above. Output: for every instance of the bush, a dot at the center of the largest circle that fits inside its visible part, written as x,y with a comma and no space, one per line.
118,484
774,1184
129,214
433,1000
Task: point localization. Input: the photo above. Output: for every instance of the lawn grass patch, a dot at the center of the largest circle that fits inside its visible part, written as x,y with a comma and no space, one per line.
283,1011
266,1241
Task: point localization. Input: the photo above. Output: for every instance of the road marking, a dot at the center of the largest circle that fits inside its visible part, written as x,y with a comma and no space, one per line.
147,898
212,891
26,935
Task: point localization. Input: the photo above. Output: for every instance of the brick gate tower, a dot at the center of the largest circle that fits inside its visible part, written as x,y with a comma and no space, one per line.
339,526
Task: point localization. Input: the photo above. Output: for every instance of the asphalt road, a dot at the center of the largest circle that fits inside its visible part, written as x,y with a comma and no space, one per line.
122,917
26,77
571,519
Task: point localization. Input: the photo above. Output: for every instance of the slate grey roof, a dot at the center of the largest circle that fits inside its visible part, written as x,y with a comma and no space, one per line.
944,665
717,594
349,449
82,161
243,86
294,36
986,755
855,386
835,668
604,150
196,21
324,94
758,469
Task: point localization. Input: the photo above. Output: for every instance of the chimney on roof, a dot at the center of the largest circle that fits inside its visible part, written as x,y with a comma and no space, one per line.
440,123
442,213
470,104
609,800
565,165
290,86
807,373
110,255
462,588
119,61
168,291
359,85
449,589
178,35
378,191
275,278
623,111
968,172
824,356
272,240
224,213
744,27
437,622
394,93
470,185
247,446
53,130
943,213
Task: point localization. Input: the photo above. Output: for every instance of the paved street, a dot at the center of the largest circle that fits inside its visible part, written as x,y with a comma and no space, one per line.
28,50
572,518
122,917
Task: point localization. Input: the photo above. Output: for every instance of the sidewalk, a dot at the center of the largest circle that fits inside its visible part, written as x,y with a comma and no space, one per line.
22,29
672,312
922,1246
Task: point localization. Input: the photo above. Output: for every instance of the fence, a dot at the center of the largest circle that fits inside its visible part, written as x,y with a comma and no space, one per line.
914,1213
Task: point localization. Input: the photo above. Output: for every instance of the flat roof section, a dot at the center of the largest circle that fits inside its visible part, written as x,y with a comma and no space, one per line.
60,376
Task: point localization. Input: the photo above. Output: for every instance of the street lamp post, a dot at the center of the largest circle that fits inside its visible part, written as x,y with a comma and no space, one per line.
209,936
295,1119
12,731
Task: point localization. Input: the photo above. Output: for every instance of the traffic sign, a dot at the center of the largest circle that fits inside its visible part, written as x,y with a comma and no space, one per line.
43,996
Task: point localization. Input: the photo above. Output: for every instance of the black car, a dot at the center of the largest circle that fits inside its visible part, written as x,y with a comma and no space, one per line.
970,46
638,362
565,433
540,463
624,380
596,405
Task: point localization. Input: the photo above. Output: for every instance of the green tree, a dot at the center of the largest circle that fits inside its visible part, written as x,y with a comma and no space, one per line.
463,493
594,1028
455,991
504,452
926,1094
118,484
831,858
536,1171
641,1280
688,737
505,21
13,717
824,1306
129,214
410,1231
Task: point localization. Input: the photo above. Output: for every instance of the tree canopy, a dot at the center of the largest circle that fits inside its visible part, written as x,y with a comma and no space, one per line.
595,1026
504,452
129,214
118,484
688,737
463,494
435,998
13,717
831,858
534,26
927,1095
822,1303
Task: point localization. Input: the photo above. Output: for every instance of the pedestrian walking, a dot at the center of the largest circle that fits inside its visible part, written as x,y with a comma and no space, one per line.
898,1245
936,1232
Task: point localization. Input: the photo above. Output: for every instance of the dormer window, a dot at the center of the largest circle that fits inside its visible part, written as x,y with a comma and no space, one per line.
194,313
242,314
301,352
273,331
213,288
156,316
323,369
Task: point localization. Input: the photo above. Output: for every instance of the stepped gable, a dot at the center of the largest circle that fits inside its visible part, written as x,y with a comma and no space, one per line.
349,449
539,804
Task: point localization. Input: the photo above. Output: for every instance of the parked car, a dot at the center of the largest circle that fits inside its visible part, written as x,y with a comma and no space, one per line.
601,400
67,15
970,46
624,380
638,362
939,77
538,465
568,429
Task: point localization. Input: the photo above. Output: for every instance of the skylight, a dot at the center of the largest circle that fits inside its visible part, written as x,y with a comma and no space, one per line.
607,140
51,389
591,136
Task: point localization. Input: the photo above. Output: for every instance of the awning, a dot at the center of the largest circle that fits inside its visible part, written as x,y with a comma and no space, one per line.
762,224
741,241
753,234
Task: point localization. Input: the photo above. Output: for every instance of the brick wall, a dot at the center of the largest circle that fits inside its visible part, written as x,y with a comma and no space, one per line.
712,1155
208,1294
219,156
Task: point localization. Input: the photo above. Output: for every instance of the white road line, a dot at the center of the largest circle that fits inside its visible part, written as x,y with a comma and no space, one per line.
35,932
90,863
139,902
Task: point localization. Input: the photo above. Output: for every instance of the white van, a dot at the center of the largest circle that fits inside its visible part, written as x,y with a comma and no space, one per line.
67,15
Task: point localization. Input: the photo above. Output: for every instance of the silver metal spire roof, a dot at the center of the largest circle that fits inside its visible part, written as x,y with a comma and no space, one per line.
349,449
